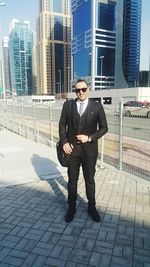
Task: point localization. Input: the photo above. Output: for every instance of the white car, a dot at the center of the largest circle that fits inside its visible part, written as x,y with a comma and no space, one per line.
136,108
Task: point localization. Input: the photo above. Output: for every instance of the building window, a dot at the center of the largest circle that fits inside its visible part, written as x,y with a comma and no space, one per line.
106,16
57,6
58,28
59,66
79,58
82,18
107,66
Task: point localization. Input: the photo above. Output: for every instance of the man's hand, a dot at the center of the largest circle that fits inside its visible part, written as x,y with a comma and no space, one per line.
68,148
82,138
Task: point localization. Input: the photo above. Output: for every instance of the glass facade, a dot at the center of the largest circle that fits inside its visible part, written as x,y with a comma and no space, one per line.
20,50
105,38
57,6
112,56
106,16
131,41
85,52
82,62
82,40
105,61
82,18
58,28
59,70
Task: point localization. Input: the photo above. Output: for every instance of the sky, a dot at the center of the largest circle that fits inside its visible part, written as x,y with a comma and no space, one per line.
145,36
28,10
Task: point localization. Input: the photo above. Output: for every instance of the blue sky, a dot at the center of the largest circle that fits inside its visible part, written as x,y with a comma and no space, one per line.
28,10
145,36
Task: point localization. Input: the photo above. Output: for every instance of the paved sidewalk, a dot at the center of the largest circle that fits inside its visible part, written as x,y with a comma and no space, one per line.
33,204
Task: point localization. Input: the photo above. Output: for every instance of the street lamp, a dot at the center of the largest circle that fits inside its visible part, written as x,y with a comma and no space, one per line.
101,59
89,64
59,82
68,68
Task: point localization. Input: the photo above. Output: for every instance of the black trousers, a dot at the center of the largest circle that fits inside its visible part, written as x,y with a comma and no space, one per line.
78,158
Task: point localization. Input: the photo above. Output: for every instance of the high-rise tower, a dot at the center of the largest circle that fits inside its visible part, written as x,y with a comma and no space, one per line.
131,40
106,42
128,35
53,46
6,66
93,41
20,51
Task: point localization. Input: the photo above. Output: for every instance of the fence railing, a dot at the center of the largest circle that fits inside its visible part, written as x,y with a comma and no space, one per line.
126,145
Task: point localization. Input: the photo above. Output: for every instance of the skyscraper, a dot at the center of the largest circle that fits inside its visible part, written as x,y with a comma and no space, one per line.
20,51
106,42
131,40
53,46
6,66
93,41
128,32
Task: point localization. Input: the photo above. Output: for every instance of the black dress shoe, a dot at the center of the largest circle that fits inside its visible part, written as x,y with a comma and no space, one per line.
92,211
70,215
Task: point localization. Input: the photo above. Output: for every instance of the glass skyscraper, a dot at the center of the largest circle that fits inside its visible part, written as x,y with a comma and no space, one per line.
131,41
53,47
20,51
93,42
106,42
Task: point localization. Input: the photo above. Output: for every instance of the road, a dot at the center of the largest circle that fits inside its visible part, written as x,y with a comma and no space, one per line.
134,127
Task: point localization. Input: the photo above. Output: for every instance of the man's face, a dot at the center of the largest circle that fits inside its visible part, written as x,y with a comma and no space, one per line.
82,91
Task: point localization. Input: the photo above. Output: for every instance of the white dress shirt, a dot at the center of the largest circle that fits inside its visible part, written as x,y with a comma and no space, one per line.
85,103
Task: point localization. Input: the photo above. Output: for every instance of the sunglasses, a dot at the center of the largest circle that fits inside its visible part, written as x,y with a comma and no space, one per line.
81,89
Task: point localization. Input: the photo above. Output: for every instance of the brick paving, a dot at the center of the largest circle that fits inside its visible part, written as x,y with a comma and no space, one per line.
33,231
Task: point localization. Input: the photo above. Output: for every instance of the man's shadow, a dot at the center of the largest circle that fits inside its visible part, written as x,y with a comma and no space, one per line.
47,169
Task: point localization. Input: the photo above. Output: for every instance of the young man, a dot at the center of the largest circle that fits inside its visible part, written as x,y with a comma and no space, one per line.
81,124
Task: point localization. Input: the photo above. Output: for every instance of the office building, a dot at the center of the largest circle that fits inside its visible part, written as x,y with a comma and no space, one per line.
20,51
53,47
6,67
106,42
128,30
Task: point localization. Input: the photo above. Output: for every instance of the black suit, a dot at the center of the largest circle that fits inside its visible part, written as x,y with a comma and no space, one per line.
92,123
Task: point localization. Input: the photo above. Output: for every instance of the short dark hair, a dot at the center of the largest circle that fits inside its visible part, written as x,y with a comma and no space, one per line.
80,81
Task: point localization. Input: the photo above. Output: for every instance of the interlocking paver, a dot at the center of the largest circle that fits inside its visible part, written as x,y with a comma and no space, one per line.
33,231
55,262
28,262
105,260
95,259
39,262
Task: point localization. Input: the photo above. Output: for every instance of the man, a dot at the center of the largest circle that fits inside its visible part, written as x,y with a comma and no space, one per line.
81,124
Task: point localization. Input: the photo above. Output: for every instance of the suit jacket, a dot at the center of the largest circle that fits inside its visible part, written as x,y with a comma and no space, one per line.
93,125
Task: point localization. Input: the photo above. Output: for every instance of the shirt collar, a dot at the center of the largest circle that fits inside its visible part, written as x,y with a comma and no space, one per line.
84,102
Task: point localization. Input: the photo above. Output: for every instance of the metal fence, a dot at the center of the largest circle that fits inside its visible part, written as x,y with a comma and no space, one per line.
126,145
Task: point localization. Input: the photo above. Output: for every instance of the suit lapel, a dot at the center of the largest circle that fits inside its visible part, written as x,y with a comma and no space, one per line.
87,111
75,115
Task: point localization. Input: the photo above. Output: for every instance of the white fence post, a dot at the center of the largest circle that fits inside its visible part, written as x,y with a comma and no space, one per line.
51,125
37,135
102,153
120,133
